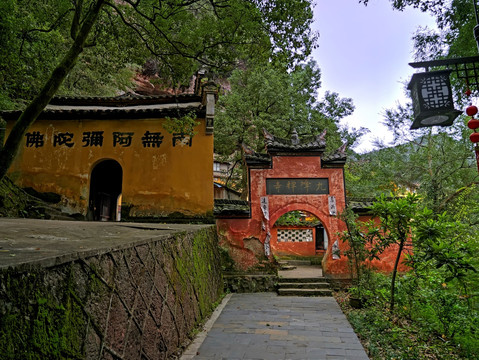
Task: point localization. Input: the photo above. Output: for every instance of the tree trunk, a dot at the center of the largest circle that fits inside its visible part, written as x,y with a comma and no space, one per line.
3,125
393,281
33,110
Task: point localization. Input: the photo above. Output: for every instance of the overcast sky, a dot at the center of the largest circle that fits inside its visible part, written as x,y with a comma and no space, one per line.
363,54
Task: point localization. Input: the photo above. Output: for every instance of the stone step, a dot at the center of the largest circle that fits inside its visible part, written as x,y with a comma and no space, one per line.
305,292
287,267
295,262
309,285
302,280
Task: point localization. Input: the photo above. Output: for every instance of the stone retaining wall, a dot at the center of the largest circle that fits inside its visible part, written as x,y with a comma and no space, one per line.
250,283
139,302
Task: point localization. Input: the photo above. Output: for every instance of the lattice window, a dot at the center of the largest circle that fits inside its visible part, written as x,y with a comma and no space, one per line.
295,235
435,92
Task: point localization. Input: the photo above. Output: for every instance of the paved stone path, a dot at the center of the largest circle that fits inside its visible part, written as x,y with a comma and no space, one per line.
52,242
264,326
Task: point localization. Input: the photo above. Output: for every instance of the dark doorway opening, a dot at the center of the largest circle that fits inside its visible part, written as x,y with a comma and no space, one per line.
319,237
105,187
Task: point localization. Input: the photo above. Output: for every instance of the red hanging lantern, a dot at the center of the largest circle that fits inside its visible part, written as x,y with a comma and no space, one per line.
473,124
471,110
474,137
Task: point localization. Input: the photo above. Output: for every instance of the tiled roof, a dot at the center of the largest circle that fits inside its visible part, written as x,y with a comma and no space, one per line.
124,100
280,145
231,208
256,160
125,106
360,205
335,159
220,184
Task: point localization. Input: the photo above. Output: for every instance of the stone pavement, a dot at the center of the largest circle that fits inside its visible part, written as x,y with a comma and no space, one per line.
302,271
264,326
52,242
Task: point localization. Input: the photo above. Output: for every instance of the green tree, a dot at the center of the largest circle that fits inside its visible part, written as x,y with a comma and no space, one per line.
396,217
359,237
442,244
280,101
438,165
391,224
35,107
45,39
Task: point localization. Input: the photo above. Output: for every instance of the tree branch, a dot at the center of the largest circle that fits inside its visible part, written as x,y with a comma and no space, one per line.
25,34
454,195
33,110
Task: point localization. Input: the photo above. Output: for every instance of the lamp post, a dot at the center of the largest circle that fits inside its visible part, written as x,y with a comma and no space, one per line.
472,110
476,28
432,96
432,99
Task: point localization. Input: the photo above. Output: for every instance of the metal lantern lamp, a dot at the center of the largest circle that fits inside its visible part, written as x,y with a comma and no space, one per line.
432,99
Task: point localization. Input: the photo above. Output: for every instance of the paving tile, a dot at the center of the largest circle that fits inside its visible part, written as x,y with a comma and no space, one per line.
266,326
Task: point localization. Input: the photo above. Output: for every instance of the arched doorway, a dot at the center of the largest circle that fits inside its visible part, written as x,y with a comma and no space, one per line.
299,233
105,189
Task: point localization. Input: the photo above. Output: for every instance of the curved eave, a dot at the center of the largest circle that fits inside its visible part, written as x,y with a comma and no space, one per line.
231,209
280,149
109,114
360,207
258,162
330,164
124,100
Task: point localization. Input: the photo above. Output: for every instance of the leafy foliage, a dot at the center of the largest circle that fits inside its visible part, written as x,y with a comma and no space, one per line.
182,36
41,42
394,335
436,300
359,237
280,101
444,245
297,218
182,125
395,218
438,163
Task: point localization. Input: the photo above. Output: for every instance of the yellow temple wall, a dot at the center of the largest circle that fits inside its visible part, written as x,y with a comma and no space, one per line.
157,181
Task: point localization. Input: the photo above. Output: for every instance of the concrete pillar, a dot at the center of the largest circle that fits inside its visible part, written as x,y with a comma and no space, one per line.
210,93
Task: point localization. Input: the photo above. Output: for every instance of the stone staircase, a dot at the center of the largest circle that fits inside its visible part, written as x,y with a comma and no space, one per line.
300,278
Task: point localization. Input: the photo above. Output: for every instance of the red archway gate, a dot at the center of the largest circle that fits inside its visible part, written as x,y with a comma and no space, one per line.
293,175
299,239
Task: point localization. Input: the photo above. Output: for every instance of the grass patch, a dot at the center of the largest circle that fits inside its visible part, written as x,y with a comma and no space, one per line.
387,335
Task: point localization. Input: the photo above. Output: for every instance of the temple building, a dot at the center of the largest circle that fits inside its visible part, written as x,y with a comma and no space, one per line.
108,157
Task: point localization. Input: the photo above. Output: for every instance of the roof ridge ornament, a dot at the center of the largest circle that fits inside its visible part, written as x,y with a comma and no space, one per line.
267,135
247,150
295,138
321,138
342,148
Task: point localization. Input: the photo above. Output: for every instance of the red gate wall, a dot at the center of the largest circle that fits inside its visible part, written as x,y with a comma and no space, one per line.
251,238
295,248
246,237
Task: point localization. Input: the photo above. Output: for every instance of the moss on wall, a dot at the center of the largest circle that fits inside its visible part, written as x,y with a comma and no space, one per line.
146,299
34,322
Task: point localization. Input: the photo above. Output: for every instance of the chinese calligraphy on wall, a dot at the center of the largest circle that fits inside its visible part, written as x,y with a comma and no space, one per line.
307,186
36,139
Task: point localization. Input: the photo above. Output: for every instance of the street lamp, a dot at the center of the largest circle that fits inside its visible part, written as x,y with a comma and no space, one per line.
431,91
432,99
